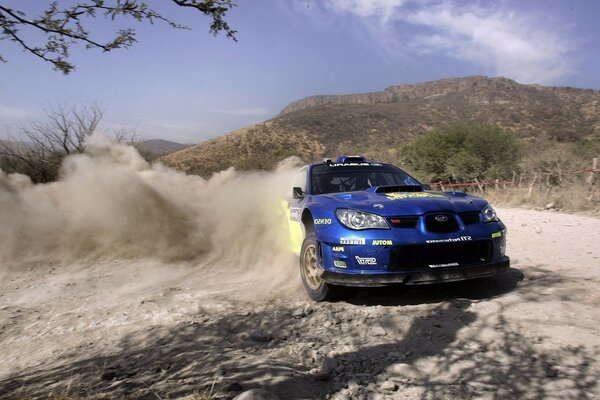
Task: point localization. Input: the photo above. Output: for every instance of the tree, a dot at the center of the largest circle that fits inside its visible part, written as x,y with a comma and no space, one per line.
462,153
46,144
65,26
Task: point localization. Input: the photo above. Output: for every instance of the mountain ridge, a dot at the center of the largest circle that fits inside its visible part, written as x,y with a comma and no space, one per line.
377,123
411,91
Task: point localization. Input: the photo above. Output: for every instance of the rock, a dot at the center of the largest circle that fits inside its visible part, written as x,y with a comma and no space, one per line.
550,371
481,386
388,386
403,370
340,396
109,375
233,387
298,313
550,205
284,334
326,369
308,356
378,331
325,350
256,394
260,336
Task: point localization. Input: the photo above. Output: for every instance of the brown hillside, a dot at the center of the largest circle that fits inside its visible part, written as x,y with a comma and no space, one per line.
375,124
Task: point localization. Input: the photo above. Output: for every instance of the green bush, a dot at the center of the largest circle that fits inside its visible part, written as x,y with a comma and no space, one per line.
463,153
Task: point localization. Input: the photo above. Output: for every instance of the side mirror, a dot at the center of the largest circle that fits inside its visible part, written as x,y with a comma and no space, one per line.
426,187
298,193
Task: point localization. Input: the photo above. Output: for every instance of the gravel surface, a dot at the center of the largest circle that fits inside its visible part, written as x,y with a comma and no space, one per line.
147,329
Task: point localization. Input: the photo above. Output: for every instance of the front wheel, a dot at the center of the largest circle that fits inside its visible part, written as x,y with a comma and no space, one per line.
315,286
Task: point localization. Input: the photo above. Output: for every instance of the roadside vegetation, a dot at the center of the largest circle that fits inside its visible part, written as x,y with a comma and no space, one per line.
40,148
535,171
541,172
463,153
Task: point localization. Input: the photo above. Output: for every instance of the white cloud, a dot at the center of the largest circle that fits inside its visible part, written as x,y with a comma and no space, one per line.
383,10
519,47
500,41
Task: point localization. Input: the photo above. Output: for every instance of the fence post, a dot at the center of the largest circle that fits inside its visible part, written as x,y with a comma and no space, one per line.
535,175
590,178
480,187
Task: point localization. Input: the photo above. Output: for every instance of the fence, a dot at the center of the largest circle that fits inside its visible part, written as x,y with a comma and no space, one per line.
540,187
518,182
479,185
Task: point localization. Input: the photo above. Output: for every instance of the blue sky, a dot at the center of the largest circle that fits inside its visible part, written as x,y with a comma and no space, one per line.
188,86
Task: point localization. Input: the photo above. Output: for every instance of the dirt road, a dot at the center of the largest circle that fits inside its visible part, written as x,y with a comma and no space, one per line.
148,329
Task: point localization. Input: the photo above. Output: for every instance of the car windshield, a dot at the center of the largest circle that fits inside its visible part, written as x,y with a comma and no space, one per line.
328,179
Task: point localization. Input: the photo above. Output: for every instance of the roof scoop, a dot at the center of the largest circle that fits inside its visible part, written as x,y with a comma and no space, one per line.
350,159
398,189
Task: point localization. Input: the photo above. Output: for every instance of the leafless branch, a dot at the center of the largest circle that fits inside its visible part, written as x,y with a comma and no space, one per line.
66,26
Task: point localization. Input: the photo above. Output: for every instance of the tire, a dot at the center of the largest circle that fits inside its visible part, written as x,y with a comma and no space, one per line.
317,288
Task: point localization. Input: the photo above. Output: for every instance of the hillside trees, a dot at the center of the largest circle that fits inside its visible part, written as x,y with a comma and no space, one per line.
50,35
462,153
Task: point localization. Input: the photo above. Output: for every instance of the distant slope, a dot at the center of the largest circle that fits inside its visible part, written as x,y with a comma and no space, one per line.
160,147
376,123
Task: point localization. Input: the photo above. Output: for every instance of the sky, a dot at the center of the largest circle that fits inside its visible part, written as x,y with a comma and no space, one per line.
189,86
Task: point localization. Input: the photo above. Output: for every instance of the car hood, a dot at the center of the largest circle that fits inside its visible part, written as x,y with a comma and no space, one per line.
404,203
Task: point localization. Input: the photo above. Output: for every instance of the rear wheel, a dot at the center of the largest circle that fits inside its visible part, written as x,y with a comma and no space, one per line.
314,285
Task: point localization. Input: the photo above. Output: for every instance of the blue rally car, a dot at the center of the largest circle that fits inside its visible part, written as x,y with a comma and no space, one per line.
363,223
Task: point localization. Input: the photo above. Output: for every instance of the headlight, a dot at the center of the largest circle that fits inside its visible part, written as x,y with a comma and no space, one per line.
489,214
355,219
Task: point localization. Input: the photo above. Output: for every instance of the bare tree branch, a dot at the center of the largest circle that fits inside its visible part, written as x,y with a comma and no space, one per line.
47,143
65,27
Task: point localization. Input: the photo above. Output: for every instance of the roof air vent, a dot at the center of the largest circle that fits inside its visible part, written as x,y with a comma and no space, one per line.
350,159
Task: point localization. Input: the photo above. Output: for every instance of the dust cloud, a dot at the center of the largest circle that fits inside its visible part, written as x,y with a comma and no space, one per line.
110,204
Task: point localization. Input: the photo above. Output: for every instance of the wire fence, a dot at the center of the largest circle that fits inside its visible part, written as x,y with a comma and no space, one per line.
543,179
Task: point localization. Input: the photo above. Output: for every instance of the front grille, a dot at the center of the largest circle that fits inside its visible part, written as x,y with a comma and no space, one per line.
469,218
403,222
441,223
414,257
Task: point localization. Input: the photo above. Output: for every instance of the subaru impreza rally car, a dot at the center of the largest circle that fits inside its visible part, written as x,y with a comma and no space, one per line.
362,223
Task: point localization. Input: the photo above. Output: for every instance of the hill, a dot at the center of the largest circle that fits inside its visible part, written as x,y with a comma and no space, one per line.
375,124
159,147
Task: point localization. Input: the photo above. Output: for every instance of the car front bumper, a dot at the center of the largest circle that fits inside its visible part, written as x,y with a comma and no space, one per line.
417,277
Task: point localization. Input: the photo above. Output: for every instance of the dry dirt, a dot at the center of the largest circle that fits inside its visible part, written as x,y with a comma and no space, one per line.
149,329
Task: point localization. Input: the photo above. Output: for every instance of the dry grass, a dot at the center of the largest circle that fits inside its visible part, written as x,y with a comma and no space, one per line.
578,196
